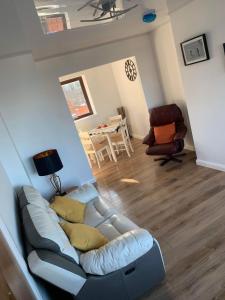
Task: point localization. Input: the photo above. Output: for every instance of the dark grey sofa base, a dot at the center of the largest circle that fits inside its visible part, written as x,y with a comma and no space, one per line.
128,283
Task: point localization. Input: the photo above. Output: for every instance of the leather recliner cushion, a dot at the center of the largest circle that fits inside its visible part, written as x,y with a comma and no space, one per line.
165,149
166,114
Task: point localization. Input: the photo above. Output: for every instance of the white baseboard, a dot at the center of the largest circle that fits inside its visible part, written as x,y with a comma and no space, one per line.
189,147
210,165
139,137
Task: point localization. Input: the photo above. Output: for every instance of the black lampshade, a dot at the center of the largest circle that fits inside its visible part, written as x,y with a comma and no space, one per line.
47,162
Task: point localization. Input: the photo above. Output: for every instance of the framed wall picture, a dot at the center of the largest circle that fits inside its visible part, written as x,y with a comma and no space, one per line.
195,50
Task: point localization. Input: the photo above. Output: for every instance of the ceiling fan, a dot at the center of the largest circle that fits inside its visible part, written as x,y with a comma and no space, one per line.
107,10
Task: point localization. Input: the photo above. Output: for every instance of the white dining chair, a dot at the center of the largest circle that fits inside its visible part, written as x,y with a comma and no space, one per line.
124,123
115,119
95,151
121,140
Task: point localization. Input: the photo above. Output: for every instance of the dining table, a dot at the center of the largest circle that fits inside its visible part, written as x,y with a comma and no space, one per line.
107,130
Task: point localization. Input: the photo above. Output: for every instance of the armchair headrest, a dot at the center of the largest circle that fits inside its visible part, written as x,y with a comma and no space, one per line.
165,114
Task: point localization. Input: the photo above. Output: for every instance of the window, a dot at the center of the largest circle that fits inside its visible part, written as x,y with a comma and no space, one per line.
53,23
77,98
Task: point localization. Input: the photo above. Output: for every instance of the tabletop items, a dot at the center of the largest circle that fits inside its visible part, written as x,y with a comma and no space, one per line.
114,139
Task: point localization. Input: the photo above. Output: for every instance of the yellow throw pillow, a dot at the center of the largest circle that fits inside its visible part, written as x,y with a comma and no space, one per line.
84,237
69,209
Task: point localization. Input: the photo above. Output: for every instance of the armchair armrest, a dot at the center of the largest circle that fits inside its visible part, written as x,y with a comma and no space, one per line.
181,131
118,253
150,138
57,270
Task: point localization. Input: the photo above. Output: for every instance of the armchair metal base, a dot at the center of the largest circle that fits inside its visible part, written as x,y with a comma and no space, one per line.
168,158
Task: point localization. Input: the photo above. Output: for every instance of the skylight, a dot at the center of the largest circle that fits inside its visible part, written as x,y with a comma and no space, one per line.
60,15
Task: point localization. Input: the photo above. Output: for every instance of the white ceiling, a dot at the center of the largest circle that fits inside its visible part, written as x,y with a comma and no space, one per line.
134,17
176,4
70,7
85,37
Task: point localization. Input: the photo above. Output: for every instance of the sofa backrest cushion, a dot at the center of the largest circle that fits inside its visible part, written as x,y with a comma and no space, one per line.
84,194
43,232
29,195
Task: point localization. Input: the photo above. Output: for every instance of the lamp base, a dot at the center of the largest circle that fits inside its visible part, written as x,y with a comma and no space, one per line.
56,183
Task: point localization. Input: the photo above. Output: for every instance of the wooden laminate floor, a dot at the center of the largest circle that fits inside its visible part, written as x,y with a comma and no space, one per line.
183,206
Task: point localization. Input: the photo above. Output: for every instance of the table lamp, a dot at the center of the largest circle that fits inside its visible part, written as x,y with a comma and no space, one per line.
48,163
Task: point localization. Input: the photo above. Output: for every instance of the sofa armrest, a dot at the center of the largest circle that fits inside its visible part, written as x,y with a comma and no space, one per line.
181,131
57,270
118,253
150,138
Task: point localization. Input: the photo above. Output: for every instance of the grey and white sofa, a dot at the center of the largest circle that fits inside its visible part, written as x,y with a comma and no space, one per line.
128,266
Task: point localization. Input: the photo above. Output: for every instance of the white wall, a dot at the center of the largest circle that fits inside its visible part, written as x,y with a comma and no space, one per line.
37,117
172,85
34,116
10,159
176,4
204,83
11,32
33,107
140,47
102,91
29,122
9,227
108,88
85,37
132,99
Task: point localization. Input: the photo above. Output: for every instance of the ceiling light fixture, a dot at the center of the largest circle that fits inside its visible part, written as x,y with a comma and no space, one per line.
47,7
149,16
107,10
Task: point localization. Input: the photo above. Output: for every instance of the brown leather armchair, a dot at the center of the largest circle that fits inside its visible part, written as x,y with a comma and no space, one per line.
160,116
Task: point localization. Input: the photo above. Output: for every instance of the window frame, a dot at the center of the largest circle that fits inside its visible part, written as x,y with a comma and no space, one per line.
80,79
44,17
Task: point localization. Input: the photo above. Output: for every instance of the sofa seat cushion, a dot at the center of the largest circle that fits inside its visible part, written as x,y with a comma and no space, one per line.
118,253
115,226
97,211
43,232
